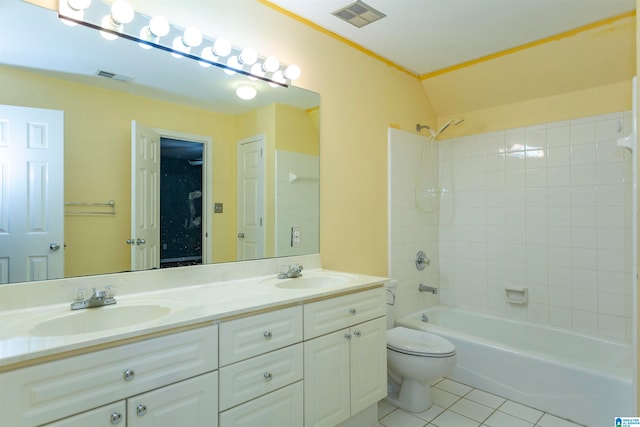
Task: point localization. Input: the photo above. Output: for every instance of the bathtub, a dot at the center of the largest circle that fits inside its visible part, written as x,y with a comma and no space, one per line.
574,376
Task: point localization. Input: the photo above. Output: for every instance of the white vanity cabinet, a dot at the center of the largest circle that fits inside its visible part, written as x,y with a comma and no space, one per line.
39,394
345,356
261,359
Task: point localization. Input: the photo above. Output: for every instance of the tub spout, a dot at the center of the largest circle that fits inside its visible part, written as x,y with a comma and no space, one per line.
425,288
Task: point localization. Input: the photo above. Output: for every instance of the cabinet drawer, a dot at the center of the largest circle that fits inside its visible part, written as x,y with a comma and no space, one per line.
105,416
330,315
282,408
41,393
254,335
251,378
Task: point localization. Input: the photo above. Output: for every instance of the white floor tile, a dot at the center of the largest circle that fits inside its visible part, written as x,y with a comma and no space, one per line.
385,408
401,419
454,387
486,399
521,411
471,409
430,413
549,420
452,419
500,419
443,398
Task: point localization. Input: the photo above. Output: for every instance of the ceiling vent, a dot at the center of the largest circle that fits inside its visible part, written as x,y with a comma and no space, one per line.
359,14
114,76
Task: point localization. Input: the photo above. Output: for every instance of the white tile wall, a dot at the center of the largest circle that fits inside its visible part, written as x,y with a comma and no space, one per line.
545,207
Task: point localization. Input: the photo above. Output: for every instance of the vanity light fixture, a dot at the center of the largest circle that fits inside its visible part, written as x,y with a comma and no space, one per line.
246,92
121,20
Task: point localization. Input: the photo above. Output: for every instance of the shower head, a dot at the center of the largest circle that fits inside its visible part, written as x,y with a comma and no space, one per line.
435,134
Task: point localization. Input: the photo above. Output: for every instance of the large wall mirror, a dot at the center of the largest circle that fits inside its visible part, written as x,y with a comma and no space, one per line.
240,179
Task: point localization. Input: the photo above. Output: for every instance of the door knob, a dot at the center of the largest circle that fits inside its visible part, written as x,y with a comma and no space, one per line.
130,242
140,242
54,246
240,235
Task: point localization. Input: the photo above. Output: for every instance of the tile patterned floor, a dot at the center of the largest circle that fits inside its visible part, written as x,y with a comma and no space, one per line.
458,405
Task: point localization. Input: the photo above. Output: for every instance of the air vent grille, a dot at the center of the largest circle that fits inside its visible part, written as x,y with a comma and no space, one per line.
114,76
359,14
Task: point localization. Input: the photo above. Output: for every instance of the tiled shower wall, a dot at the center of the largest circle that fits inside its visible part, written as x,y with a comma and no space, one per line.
544,207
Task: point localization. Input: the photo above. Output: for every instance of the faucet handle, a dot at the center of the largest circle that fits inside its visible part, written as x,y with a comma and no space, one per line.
79,295
110,291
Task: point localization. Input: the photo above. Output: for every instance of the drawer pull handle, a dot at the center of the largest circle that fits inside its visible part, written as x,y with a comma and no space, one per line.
356,333
141,410
268,335
116,417
352,310
267,376
129,374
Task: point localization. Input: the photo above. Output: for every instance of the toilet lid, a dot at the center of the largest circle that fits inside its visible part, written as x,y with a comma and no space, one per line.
418,343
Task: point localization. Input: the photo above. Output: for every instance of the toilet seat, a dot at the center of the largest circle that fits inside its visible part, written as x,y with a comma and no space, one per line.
418,343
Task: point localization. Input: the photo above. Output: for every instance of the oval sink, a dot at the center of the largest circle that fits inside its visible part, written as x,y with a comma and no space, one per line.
310,282
98,319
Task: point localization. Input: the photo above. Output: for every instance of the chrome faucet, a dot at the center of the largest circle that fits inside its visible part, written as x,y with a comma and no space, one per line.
98,298
425,288
294,271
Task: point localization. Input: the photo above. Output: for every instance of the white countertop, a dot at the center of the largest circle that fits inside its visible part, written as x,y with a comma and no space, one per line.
187,305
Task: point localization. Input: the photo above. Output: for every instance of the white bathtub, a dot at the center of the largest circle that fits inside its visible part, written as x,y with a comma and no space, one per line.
582,378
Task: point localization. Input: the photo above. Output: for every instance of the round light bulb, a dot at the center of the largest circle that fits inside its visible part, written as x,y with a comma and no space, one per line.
159,26
246,92
147,35
108,23
179,46
79,4
277,77
248,56
256,70
271,64
192,37
233,63
292,72
207,53
222,47
122,12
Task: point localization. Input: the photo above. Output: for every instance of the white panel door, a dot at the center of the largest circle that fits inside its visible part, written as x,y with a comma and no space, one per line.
145,197
31,194
251,189
368,363
326,380
189,403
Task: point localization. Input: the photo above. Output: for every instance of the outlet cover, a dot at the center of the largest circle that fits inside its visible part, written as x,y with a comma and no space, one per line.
217,208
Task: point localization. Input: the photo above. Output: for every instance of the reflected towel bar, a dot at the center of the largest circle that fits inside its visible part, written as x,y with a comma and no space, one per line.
107,205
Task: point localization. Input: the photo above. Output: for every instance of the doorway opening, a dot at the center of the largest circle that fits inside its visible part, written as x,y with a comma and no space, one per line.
181,202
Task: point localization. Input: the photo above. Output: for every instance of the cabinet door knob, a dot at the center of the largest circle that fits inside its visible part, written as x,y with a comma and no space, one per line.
141,410
347,336
267,376
267,334
356,333
352,310
116,417
129,374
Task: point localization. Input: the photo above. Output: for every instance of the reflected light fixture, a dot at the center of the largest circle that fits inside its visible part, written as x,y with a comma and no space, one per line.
121,20
246,92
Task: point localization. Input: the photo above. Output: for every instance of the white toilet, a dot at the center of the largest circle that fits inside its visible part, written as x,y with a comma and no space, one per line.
414,359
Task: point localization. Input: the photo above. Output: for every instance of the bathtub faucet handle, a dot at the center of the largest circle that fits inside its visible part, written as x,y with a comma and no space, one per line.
422,260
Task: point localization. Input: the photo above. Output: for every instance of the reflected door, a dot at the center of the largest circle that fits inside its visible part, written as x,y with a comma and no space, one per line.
251,190
145,197
31,194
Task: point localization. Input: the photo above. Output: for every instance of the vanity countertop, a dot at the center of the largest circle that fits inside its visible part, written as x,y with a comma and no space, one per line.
30,335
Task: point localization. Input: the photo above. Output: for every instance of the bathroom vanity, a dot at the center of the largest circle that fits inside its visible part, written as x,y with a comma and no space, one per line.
255,350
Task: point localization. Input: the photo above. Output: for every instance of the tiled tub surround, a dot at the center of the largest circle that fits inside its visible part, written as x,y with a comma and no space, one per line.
545,207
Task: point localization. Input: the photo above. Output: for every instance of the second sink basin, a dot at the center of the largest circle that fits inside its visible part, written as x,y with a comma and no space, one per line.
311,281
98,319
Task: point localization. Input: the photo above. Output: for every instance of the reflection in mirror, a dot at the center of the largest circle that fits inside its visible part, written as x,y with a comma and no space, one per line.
180,101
